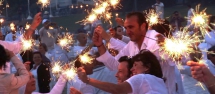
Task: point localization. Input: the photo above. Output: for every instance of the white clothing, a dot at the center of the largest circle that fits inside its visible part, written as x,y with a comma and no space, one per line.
131,49
147,84
105,75
12,67
34,72
116,44
80,86
210,66
125,39
189,15
96,23
210,38
9,37
59,54
58,88
204,48
159,9
14,46
76,50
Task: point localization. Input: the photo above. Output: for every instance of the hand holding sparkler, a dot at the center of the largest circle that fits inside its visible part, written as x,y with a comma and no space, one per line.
100,30
82,75
160,39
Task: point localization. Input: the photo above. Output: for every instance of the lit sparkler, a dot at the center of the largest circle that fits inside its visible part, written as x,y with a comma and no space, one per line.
12,26
66,41
1,20
200,20
70,73
27,26
180,45
153,18
27,44
86,59
57,68
44,3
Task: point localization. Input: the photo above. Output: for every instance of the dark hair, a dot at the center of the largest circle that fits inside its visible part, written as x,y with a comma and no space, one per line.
115,28
163,28
37,52
150,61
44,46
140,18
211,52
129,61
211,20
3,58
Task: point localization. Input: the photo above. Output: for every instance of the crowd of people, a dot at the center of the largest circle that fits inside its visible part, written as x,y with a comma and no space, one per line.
126,58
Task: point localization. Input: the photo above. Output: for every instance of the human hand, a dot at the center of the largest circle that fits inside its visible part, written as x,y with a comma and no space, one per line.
82,75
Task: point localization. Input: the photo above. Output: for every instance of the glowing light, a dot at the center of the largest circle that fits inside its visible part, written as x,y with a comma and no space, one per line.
92,18
66,41
117,14
1,20
44,3
12,26
50,27
70,73
27,44
85,59
153,18
27,26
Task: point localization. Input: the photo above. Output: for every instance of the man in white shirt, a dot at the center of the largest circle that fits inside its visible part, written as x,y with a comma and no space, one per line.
12,36
159,7
136,27
117,33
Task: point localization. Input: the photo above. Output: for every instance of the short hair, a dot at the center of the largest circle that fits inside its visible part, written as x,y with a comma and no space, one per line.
150,61
129,61
37,52
115,28
44,46
140,18
3,58
211,20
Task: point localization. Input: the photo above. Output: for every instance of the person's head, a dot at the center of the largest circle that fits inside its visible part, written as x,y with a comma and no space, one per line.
176,13
125,64
82,39
158,1
146,62
3,58
46,23
43,48
87,67
212,20
211,55
163,28
136,26
30,86
119,30
37,58
1,36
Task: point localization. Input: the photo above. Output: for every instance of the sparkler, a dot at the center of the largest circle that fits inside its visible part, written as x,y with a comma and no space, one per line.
66,41
1,20
12,26
56,68
44,3
153,18
180,45
1,1
27,44
85,59
70,73
27,26
200,20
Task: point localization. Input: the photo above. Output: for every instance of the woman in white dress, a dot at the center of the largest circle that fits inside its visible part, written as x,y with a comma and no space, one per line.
147,77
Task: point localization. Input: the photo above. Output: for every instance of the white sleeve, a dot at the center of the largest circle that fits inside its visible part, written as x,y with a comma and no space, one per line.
209,39
161,5
116,44
59,86
87,89
135,82
15,46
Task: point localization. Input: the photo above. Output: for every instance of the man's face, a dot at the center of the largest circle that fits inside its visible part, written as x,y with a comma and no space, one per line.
31,83
133,29
46,24
1,36
119,31
82,38
123,72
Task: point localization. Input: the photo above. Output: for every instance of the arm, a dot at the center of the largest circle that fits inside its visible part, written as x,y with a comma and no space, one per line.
59,86
18,81
15,46
116,44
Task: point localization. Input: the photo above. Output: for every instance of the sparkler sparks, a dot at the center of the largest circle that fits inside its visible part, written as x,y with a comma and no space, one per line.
66,41
12,26
27,26
44,3
70,73
181,44
200,20
56,68
86,59
153,18
27,44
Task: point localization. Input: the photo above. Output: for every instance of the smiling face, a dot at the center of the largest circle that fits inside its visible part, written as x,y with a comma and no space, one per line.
123,72
138,68
37,59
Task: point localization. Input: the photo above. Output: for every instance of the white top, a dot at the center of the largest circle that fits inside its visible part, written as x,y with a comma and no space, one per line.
131,49
210,38
210,66
147,84
190,13
34,72
59,54
125,39
116,44
80,86
159,9
105,75
9,37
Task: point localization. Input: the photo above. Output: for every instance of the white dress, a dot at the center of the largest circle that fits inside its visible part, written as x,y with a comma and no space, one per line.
147,84
34,73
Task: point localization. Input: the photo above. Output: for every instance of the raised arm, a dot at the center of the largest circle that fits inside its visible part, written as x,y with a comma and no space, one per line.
59,86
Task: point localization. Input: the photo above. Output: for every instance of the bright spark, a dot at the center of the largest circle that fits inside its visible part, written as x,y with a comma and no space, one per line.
66,41
70,73
27,44
44,3
27,26
57,68
153,18
86,59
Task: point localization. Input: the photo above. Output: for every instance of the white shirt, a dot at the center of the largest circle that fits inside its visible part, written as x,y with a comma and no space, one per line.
105,75
59,54
14,46
210,38
131,49
80,86
34,72
210,66
125,39
189,15
116,44
159,9
9,37
147,84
